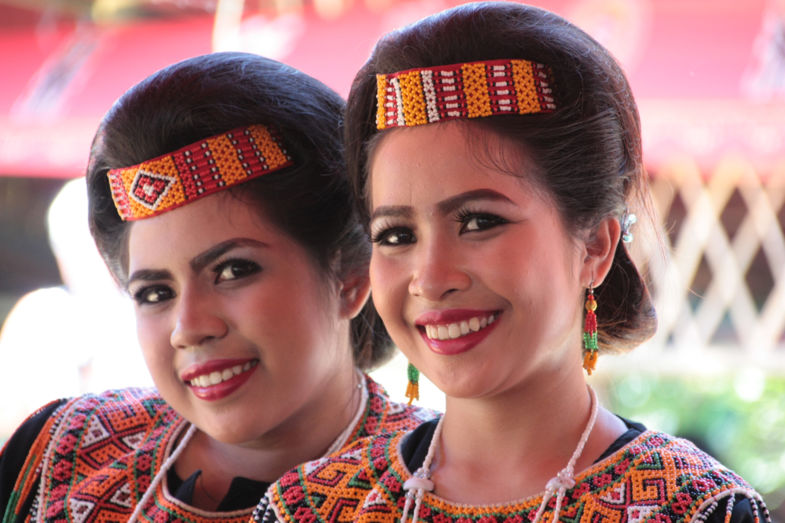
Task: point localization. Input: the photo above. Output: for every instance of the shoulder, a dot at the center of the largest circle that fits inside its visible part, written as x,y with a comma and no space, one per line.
92,418
385,416
67,425
118,407
90,443
72,411
687,482
671,454
334,487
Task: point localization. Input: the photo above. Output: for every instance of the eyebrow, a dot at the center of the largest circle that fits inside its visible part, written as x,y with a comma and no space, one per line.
147,275
451,204
391,211
445,206
202,260
199,262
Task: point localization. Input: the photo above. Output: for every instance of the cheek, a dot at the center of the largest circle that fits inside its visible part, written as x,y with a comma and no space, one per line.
153,339
389,289
382,276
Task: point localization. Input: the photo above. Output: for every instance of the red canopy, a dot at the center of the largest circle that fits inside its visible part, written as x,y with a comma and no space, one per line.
698,69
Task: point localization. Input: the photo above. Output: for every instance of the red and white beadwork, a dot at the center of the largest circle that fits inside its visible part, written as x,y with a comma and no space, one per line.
469,90
210,165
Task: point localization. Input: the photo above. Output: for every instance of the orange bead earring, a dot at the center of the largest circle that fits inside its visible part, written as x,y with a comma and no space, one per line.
590,350
413,387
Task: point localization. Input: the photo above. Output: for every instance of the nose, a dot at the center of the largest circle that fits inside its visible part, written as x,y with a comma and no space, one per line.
438,270
197,320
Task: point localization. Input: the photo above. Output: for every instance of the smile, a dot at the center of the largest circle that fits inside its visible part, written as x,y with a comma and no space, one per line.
456,331
217,377
451,331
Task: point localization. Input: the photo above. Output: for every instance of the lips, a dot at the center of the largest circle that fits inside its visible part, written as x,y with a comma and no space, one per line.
455,331
218,379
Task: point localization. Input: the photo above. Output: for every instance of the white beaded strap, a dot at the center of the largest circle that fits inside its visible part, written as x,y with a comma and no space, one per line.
58,432
343,437
565,479
420,480
162,472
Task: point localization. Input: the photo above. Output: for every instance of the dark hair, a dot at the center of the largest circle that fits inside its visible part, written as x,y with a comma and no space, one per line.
588,151
207,95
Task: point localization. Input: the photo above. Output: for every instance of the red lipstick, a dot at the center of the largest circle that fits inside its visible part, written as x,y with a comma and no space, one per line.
231,374
462,343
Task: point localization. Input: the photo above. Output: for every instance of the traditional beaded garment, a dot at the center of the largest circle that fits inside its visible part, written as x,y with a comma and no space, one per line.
654,478
97,455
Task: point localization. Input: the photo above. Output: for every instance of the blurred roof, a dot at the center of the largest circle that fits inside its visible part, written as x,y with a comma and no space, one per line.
708,75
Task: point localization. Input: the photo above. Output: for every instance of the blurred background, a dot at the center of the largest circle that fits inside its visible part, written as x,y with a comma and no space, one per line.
709,77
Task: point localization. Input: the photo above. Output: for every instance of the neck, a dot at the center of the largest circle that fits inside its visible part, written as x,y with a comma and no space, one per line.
278,451
525,437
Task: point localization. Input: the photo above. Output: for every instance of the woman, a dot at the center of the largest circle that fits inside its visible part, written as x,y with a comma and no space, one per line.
219,199
496,149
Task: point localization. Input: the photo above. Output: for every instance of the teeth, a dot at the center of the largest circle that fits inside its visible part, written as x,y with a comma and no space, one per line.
219,376
451,331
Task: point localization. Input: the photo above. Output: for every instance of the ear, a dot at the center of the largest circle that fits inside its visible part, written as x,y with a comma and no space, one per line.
600,248
354,292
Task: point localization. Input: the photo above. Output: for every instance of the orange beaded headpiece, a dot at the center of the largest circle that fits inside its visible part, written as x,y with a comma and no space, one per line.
469,90
194,171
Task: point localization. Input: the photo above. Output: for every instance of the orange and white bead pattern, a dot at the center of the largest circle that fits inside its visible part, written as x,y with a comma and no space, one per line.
210,165
469,90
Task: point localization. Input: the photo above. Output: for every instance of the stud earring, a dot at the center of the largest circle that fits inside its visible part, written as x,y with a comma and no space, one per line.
413,387
590,350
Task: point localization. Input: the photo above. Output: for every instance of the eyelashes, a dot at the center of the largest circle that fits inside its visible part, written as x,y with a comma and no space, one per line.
235,269
474,221
393,235
153,294
389,233
226,272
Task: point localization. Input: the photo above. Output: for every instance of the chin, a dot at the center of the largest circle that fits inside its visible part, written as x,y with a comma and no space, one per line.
232,437
463,387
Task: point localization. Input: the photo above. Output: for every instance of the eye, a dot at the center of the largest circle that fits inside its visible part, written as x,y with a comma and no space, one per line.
479,221
235,269
153,294
394,236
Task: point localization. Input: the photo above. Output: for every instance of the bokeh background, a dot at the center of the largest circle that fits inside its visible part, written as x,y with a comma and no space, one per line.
709,77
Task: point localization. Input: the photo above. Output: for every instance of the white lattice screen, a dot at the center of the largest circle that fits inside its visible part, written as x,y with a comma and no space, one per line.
719,284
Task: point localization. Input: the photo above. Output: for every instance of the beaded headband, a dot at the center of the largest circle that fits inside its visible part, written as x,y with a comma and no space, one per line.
194,171
467,90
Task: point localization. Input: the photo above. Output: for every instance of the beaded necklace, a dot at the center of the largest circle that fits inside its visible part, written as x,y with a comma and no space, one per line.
421,481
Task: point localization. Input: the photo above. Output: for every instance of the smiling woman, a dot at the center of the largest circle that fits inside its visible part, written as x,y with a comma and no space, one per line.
219,199
496,152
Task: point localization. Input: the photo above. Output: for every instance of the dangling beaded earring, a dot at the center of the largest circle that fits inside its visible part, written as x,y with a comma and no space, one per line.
413,387
590,333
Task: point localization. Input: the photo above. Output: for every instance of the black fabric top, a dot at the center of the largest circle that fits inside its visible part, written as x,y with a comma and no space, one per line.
415,447
243,492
